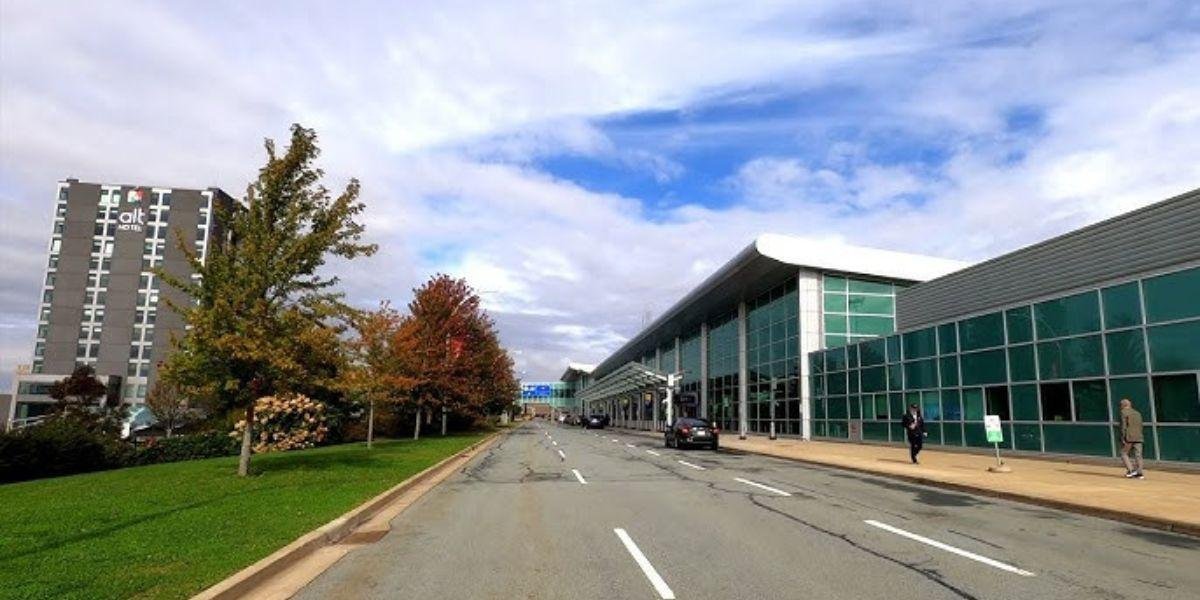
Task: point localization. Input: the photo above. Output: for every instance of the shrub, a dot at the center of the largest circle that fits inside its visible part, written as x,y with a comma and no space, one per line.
56,447
210,444
286,423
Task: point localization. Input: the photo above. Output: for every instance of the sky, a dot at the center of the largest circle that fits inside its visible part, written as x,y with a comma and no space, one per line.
585,164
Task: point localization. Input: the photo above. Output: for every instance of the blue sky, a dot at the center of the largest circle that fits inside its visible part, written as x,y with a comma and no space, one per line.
587,163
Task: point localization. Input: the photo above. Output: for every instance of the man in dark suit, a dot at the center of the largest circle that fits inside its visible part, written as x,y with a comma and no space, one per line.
914,426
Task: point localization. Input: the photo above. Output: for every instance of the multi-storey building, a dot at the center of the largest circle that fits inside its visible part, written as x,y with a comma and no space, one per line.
102,302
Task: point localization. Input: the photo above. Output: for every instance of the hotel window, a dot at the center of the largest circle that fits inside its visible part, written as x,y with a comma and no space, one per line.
47,296
52,263
44,313
55,246
39,349
60,211
50,278
58,227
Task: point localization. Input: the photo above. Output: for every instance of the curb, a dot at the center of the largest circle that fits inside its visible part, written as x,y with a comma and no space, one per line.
1172,526
243,582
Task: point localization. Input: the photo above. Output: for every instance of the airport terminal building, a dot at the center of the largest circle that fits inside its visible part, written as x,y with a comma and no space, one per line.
101,302
832,341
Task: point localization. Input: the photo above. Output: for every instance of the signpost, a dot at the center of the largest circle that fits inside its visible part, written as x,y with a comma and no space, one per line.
995,435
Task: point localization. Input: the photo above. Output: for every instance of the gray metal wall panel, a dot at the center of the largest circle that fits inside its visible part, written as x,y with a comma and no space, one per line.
1154,237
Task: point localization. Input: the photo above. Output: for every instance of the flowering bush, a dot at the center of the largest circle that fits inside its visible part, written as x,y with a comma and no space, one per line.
286,423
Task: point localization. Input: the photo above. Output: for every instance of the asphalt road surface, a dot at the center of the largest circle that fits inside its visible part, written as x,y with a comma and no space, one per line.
559,512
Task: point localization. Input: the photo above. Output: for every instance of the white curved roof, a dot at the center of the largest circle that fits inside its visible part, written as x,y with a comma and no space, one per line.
838,256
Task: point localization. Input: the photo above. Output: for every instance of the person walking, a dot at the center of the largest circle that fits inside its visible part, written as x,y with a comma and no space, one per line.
1131,439
914,426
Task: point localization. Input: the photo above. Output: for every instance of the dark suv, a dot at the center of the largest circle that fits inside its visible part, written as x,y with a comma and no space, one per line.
594,422
690,431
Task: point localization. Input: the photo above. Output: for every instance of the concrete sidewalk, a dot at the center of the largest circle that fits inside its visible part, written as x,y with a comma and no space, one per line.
1163,500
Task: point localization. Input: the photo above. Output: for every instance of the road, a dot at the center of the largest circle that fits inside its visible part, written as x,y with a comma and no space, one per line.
559,512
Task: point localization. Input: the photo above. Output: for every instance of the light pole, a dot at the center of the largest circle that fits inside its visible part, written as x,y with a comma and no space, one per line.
773,383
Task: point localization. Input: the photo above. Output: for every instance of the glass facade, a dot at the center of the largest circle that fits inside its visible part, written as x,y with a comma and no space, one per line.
857,309
689,360
723,371
1054,371
772,348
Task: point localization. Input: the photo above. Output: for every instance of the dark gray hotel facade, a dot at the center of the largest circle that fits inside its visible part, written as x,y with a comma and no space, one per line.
101,302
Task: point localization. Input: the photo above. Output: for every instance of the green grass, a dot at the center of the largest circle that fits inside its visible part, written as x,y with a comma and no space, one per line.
171,530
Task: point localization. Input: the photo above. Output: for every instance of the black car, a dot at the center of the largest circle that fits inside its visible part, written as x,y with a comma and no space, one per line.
690,431
595,422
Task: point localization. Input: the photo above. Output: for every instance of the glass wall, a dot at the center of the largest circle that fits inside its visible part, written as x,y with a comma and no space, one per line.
667,358
772,346
723,371
1054,371
857,309
689,358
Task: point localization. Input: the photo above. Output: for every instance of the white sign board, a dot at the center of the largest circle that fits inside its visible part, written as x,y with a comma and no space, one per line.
991,427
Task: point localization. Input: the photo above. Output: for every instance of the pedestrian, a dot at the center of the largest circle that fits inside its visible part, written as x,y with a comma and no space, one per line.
914,426
1131,439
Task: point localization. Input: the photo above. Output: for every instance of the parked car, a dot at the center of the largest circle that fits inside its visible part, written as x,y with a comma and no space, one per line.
690,431
595,422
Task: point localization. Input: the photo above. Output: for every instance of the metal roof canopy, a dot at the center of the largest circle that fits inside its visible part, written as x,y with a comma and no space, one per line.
762,265
628,378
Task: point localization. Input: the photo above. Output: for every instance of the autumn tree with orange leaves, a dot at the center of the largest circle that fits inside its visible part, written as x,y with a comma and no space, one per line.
444,356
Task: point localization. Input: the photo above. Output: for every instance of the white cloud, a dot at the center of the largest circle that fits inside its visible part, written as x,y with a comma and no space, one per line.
443,110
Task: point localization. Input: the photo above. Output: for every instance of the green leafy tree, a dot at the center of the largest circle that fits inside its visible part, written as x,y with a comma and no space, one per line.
261,309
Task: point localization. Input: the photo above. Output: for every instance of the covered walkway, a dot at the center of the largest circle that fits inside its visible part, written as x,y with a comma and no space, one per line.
632,395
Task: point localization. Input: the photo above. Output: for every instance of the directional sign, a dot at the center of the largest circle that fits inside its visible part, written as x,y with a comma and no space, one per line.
991,426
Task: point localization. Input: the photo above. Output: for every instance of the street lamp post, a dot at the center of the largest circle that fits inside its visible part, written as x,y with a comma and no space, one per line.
773,381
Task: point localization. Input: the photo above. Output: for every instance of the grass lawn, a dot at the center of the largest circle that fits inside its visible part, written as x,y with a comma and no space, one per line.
171,530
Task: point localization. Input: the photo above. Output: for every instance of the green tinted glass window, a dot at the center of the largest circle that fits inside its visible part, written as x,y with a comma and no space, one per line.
870,287
1176,399
1074,357
1173,296
893,348
973,404
1126,353
835,383
1078,439
1027,437
835,324
837,408
1020,325
1025,402
872,305
896,404
835,303
1021,365
984,331
866,325
920,374
835,359
1136,389
948,365
1091,400
951,405
1175,347
1179,443
834,283
921,343
984,367
874,379
1067,316
931,406
895,376
816,362
873,352
852,355
835,340
1122,305
947,338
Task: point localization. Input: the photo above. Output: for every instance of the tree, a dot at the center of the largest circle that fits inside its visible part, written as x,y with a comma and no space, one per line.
380,368
261,308
169,406
82,397
459,365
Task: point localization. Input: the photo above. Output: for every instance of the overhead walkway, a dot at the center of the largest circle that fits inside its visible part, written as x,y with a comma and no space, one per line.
632,395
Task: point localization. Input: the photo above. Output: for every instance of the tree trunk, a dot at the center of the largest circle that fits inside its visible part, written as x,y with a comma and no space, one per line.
247,438
417,425
371,424
443,420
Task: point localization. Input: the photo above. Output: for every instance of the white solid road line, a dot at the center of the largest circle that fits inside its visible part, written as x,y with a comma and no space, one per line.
688,464
761,486
653,452
615,440
579,477
554,442
564,456
948,548
631,445
664,591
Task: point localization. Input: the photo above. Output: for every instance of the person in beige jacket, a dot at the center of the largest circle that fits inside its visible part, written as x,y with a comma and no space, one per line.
1131,439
